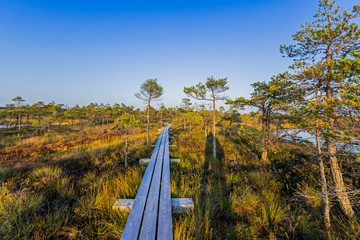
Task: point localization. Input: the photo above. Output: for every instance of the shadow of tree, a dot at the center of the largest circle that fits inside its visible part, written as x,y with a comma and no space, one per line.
215,192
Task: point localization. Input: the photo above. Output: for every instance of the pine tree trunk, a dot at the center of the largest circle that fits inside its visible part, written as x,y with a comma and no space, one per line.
148,123
340,189
214,130
264,156
324,191
16,123
126,152
264,152
19,121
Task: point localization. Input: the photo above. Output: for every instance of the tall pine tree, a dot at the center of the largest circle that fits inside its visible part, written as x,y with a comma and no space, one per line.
322,43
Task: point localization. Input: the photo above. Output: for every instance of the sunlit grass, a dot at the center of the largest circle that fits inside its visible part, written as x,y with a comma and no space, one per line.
245,201
64,185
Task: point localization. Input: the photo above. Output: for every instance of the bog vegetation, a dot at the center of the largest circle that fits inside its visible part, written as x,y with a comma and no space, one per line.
248,172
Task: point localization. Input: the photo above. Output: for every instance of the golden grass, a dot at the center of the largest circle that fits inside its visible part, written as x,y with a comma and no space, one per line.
63,186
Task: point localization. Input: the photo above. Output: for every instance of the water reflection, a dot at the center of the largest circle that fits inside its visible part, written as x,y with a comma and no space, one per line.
354,148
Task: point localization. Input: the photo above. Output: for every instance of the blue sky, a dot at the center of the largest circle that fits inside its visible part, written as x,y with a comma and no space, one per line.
78,52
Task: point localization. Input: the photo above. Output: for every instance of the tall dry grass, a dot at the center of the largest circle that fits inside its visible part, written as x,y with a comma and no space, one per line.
241,198
65,185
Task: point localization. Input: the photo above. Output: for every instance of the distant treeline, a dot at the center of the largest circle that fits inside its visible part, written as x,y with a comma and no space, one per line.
45,116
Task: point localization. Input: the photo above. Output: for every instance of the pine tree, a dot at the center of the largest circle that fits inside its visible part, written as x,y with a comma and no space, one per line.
271,100
212,87
150,90
126,124
18,100
331,37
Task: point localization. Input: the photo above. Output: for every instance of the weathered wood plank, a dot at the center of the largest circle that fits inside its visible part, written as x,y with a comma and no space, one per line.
175,160
123,204
165,220
146,180
182,205
165,181
146,160
131,230
178,205
149,224
151,211
133,224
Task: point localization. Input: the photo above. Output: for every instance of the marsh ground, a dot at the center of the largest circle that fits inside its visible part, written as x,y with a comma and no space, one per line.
62,185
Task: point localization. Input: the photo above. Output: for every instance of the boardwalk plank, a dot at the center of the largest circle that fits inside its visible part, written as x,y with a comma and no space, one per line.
131,230
151,212
148,227
133,224
165,220
165,181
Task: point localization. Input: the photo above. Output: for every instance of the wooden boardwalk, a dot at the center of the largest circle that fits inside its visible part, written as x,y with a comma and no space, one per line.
151,211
